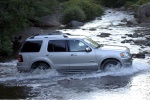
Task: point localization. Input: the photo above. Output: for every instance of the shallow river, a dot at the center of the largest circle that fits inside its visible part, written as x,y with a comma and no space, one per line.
130,83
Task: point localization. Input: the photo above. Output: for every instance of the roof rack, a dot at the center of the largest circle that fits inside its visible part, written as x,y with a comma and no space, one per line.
49,36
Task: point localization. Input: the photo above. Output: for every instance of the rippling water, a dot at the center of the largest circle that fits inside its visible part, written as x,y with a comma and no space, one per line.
131,83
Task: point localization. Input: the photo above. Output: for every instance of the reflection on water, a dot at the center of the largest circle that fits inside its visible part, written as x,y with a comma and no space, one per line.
15,92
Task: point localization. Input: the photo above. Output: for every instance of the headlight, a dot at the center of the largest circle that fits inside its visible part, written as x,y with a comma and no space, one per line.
125,54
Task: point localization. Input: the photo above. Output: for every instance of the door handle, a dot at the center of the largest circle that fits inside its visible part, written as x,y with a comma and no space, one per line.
73,54
48,55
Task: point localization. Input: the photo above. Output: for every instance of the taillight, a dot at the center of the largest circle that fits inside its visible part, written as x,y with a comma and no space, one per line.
20,59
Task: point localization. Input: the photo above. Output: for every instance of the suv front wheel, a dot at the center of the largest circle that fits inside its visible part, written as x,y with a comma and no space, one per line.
110,63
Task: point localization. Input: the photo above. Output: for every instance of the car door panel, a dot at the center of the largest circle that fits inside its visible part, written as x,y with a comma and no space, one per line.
79,58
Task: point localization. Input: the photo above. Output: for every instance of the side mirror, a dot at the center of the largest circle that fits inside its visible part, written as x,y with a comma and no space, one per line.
87,49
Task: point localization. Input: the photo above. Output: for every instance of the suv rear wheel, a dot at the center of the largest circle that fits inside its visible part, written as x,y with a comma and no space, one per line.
40,65
110,63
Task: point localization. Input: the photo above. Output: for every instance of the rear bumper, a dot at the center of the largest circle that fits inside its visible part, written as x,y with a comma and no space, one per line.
21,67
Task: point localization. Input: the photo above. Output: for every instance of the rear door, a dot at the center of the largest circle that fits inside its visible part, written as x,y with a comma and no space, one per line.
58,54
79,58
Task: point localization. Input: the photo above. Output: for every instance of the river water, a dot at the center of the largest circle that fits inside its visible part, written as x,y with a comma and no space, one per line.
131,83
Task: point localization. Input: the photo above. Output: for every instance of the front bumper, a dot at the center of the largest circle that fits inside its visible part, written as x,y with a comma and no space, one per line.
127,62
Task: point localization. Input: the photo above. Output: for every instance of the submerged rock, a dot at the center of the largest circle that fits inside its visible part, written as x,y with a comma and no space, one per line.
139,55
104,35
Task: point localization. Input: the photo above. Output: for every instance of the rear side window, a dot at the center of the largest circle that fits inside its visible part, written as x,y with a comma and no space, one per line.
57,46
31,46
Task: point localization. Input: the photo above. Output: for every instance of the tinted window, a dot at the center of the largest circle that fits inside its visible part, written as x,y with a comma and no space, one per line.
57,46
76,46
31,46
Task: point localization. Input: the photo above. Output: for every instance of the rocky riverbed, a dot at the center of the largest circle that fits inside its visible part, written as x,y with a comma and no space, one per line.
115,84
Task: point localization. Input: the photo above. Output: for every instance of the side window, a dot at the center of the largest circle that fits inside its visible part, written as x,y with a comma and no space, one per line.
31,46
57,46
76,46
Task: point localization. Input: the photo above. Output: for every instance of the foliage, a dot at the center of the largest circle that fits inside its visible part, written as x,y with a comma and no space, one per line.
112,3
141,2
73,13
90,9
18,14
5,46
136,2
62,0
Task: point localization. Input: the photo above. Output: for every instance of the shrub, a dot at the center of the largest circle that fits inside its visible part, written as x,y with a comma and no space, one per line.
73,13
141,2
90,8
18,14
112,3
5,46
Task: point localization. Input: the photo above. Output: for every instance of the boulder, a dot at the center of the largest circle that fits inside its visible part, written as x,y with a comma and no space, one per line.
48,21
124,20
142,42
132,22
135,35
139,55
92,29
104,35
143,14
127,41
75,24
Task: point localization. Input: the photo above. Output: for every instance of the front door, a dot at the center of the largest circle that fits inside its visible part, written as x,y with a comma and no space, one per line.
79,58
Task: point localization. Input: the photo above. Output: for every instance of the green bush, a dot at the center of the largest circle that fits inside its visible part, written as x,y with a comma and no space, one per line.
90,8
128,3
112,3
5,46
18,14
141,2
73,13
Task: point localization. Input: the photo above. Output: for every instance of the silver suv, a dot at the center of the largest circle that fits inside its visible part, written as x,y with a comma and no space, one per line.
70,53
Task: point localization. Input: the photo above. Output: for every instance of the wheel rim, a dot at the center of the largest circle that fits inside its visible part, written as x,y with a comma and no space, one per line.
111,64
42,66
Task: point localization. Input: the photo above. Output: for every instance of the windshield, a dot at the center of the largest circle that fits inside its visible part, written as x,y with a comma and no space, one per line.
92,43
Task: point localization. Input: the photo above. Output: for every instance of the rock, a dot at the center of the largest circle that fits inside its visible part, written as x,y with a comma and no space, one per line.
140,55
144,13
124,20
76,24
135,15
48,21
129,35
104,35
132,22
142,42
127,41
135,35
92,29
123,37
122,8
98,18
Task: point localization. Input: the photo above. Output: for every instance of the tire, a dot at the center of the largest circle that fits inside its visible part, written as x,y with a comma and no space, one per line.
40,65
110,63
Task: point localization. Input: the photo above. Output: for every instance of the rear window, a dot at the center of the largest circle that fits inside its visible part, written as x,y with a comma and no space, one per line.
57,46
32,46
